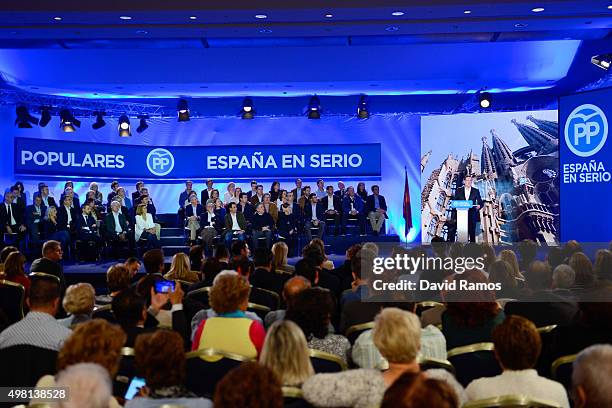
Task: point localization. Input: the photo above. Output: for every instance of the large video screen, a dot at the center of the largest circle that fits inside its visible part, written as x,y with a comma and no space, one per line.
513,158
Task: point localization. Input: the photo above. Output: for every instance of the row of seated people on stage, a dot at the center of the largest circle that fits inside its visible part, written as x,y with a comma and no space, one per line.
313,339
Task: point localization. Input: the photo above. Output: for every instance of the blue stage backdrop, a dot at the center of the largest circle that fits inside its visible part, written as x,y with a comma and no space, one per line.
224,149
586,166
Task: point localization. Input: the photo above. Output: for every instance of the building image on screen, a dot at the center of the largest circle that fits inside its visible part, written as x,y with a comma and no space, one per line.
514,160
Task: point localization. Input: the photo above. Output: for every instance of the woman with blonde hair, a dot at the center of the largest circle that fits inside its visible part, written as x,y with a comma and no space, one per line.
285,352
230,194
145,227
279,258
510,257
78,302
52,230
180,269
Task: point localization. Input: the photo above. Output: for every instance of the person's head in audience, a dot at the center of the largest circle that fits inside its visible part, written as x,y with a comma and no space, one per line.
180,266
260,208
244,199
352,251
539,276
311,309
79,299
133,265
320,184
249,385
153,261
375,189
209,184
144,192
115,206
350,191
361,266
37,201
372,247
44,295
221,253
438,246
517,343
262,258
571,247
259,190
118,277
329,190
340,185
129,308
6,251
285,352
96,341
8,197
188,185
280,250
219,203
397,336
243,265
318,243
527,249
581,264
592,377
306,191
114,185
88,385
232,207
501,272
139,185
510,257
52,250
240,248
294,286
121,192
141,210
488,253
14,265
160,358
312,197
563,277
253,186
555,256
290,197
413,390
69,192
361,188
67,201
603,265
308,269
471,308
275,186
230,293
193,200
196,257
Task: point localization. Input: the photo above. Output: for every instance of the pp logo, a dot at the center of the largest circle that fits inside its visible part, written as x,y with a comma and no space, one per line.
586,130
160,162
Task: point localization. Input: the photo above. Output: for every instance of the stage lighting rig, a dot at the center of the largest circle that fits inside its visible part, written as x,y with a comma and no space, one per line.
124,126
247,111
99,123
485,100
363,111
68,121
182,110
314,108
143,124
24,119
602,61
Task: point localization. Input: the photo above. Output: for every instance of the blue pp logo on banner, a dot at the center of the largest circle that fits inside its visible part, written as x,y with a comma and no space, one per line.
586,130
160,161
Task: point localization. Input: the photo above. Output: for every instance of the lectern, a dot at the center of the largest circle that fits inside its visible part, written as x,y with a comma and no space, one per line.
462,207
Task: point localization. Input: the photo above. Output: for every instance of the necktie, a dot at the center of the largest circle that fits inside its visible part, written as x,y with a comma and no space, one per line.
10,214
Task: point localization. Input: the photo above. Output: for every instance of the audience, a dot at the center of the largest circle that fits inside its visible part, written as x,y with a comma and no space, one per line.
180,269
78,302
292,287
591,377
412,390
118,277
88,386
249,385
280,250
14,270
264,276
52,254
581,264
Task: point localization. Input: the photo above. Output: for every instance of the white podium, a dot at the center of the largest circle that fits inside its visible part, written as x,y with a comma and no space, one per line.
462,207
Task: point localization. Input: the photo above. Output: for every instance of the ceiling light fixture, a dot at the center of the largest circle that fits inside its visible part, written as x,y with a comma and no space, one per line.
125,17
24,119
68,121
261,16
397,13
45,116
603,61
124,127
484,99
538,9
467,12
314,108
329,15
182,109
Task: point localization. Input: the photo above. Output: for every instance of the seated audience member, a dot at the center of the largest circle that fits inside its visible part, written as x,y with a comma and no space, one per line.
126,203
585,277
229,195
220,209
245,206
96,341
264,277
74,198
603,265
563,279
509,256
133,266
52,254
341,191
311,310
288,225
470,315
298,188
328,264
87,227
118,277
39,327
43,193
419,390
285,352
332,204
362,192
160,357
78,302
154,262
304,197
292,287
324,278
136,194
196,258
517,348
180,269
353,208
235,225
279,258
67,216
206,194
211,226
230,330
184,196
282,198
146,199
14,270
269,207
314,217
6,251
52,229
527,250
193,215
360,285
116,228
33,220
11,217
249,385
344,272
501,272
113,193
253,189
542,306
376,209
93,186
258,197
130,312
88,385
591,377
262,225
145,227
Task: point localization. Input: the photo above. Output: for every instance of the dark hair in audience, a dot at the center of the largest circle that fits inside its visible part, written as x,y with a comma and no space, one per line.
527,250
131,260
242,265
196,253
144,285
262,257
364,258
249,385
311,310
160,358
231,205
474,307
412,390
571,247
517,343
438,246
6,251
501,272
596,308
210,268
220,252
238,247
555,256
152,260
118,278
127,307
353,250
313,253
306,268
488,253
603,264
241,195
44,290
50,246
311,195
13,265
584,270
539,276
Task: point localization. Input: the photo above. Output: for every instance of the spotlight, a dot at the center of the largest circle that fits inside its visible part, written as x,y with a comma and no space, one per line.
183,110
68,121
363,111
45,116
124,126
24,119
485,100
143,124
314,108
99,123
602,61
247,112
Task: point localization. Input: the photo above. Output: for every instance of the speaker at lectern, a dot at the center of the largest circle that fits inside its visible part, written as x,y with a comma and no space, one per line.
462,207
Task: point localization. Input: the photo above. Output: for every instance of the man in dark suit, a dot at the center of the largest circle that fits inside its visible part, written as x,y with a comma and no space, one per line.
467,192
376,209
115,224
258,196
34,214
136,194
113,193
235,225
11,219
87,227
245,207
297,191
341,191
47,200
332,204
253,189
353,208
205,194
146,199
314,217
66,216
50,262
75,203
264,277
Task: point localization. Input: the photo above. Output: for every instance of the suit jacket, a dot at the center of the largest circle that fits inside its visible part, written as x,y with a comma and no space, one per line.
473,213
255,200
287,223
250,194
189,211
248,211
31,216
62,219
308,212
381,202
50,200
110,196
76,204
357,204
204,196
4,215
109,224
269,280
340,193
216,221
184,197
82,225
239,217
48,266
337,203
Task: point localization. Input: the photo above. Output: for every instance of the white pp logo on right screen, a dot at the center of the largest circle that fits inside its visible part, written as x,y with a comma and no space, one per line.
586,130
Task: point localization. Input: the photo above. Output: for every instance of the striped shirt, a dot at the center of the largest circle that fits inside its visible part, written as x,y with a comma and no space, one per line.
36,329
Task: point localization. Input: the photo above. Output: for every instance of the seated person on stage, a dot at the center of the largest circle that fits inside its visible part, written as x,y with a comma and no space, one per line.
245,207
230,195
51,228
303,200
110,197
96,211
314,217
295,208
47,200
136,194
258,196
332,204
126,203
145,227
184,197
148,201
297,191
235,225
18,198
87,227
288,225
321,191
69,192
219,208
270,207
262,225
341,191
206,194
253,191
66,216
33,216
352,207
376,208
192,217
115,225
11,218
211,226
